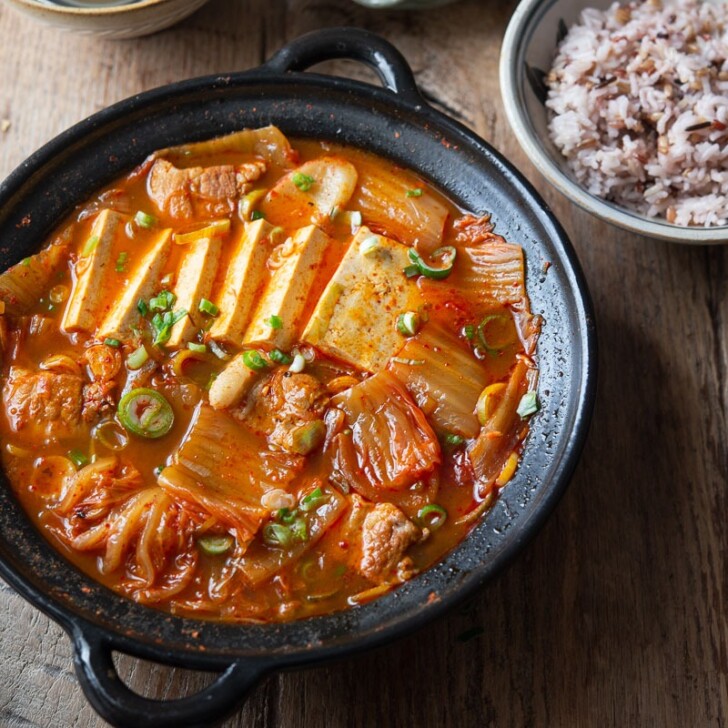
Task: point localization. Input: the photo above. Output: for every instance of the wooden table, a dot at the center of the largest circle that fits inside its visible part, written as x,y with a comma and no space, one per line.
616,614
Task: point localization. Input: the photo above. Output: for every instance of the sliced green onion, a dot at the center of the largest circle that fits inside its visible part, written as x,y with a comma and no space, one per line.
253,360
411,271
528,405
275,534
432,516
208,307
279,357
369,245
121,261
313,500
447,254
408,323
163,301
25,262
78,458
469,332
142,307
137,358
145,220
453,440
299,530
302,181
408,362
158,470
162,325
197,348
112,342
215,545
286,515
275,322
145,412
217,350
417,192
248,203
257,215
88,248
298,364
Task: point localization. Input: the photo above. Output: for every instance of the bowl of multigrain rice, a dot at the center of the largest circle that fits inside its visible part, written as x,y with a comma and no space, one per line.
623,107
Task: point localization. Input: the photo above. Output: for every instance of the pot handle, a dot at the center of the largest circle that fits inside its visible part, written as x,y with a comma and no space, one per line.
354,44
120,706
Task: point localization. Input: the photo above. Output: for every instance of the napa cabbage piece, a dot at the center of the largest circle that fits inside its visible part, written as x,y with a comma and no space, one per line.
143,283
21,284
491,271
244,278
299,264
194,282
503,430
412,215
105,508
260,562
393,444
356,317
268,143
221,468
311,192
443,377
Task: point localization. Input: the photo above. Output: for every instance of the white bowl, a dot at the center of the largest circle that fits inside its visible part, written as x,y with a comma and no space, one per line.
528,49
115,21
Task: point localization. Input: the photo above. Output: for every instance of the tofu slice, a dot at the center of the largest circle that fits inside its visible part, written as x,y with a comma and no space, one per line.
244,278
82,311
142,284
194,281
356,317
301,260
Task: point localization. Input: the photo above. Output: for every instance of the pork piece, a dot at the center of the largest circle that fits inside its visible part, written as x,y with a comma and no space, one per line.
289,408
183,192
44,405
104,363
381,534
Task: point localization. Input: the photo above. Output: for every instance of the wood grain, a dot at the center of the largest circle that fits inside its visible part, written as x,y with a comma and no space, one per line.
616,614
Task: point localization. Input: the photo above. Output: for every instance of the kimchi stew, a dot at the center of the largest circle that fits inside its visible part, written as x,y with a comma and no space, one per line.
258,380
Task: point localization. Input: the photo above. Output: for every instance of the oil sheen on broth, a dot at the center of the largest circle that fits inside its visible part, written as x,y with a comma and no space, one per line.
259,380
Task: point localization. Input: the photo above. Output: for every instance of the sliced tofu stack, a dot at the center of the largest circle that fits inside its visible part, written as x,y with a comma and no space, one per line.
313,189
83,309
356,317
194,281
142,284
300,261
245,275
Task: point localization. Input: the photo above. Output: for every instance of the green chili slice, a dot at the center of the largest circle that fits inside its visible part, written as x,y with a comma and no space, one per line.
432,516
446,255
145,412
253,360
493,333
215,545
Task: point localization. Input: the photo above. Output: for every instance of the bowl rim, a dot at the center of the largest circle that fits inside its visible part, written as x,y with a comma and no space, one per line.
97,12
518,35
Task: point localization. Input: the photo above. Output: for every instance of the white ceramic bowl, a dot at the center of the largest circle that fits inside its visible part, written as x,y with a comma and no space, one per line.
528,50
114,21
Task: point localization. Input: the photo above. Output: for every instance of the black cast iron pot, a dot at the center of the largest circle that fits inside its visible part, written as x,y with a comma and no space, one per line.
395,122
